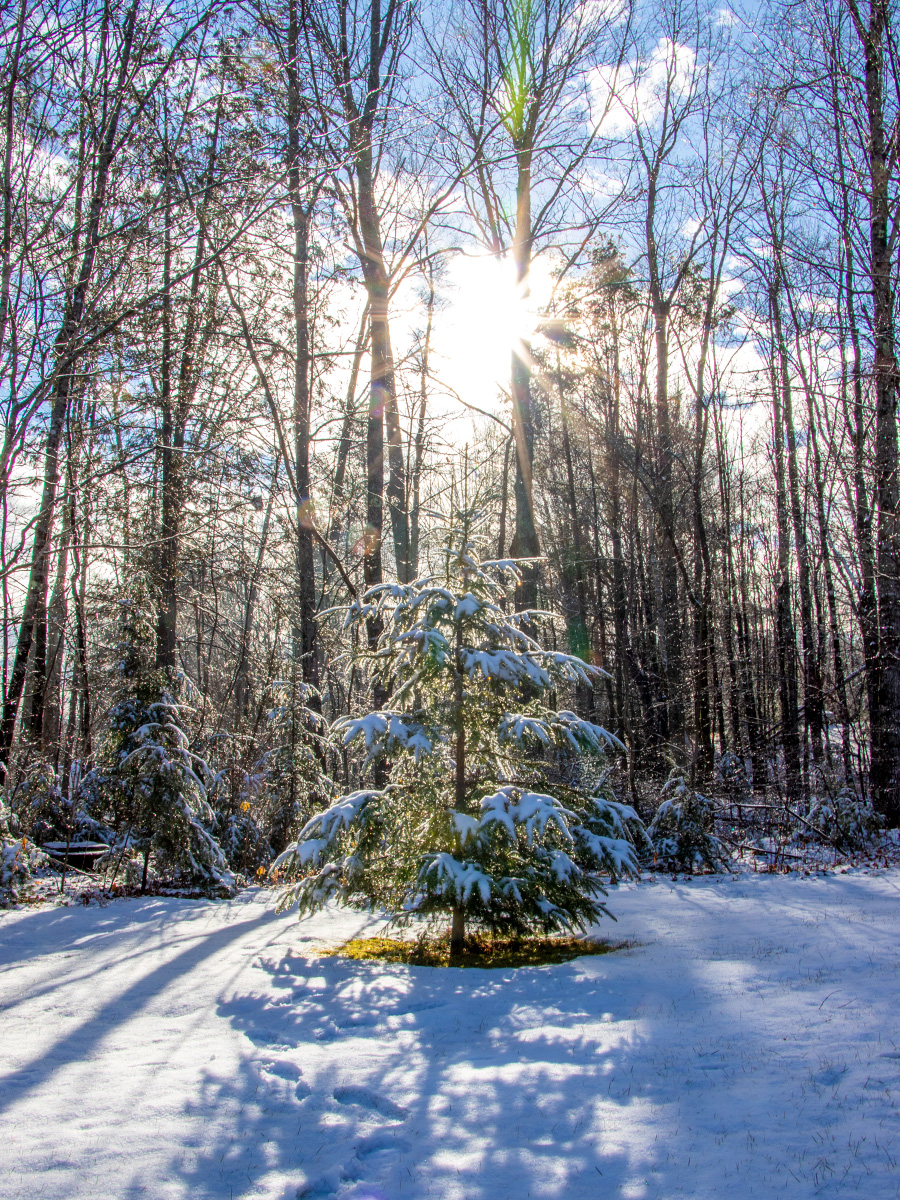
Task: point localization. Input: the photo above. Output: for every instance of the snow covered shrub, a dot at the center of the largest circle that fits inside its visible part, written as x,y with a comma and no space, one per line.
20,858
847,820
41,809
233,793
241,840
151,779
293,781
14,862
590,773
20,861
682,830
731,774
468,824
53,806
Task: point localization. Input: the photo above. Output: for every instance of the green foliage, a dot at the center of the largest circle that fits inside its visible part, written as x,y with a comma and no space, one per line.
20,858
472,820
293,783
260,810
41,810
848,821
732,776
152,786
20,861
682,830
50,805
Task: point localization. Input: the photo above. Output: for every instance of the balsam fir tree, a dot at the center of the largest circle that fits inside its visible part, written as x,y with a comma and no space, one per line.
470,824
150,775
682,831
294,783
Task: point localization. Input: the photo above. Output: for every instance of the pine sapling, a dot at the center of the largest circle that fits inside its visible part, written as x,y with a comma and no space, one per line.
150,773
472,824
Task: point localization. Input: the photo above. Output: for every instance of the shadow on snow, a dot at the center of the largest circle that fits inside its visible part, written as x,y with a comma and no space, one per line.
377,1081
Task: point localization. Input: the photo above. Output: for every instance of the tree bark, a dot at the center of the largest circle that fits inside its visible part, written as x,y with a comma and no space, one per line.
302,207
672,649
884,775
785,642
525,540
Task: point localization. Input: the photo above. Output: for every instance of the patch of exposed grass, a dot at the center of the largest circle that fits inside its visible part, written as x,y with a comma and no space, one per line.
480,951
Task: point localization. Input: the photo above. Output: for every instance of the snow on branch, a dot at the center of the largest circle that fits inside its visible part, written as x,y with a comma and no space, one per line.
509,806
449,877
386,732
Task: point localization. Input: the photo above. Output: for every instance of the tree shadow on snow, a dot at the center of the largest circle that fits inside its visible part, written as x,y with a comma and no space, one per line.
372,1081
77,1044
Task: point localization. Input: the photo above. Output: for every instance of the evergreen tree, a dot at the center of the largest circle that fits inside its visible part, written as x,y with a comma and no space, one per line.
152,784
474,821
846,820
682,831
294,784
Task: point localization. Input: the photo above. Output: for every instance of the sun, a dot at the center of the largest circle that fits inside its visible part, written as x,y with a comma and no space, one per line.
486,316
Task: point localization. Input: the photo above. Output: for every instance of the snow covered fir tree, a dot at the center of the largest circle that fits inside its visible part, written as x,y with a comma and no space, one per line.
293,775
481,819
150,785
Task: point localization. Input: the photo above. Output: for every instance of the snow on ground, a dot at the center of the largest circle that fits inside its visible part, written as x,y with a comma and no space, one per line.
748,1046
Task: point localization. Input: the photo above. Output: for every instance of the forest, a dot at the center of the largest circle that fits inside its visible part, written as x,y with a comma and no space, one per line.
289,289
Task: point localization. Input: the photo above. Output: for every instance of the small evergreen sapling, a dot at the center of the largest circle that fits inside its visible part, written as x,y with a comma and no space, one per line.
469,824
848,821
151,774
682,830
294,784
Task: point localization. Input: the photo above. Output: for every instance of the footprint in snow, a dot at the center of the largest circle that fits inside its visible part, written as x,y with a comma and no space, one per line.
267,1039
290,1072
283,1068
357,1021
365,1098
380,1144
422,1006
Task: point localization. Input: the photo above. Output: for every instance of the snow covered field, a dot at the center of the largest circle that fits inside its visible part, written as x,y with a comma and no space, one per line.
748,1046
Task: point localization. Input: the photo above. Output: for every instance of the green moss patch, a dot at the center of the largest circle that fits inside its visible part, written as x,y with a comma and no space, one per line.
480,951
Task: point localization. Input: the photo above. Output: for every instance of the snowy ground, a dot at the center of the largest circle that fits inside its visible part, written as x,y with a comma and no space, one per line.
749,1046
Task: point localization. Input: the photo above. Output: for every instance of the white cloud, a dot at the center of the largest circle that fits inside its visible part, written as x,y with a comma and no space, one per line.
635,93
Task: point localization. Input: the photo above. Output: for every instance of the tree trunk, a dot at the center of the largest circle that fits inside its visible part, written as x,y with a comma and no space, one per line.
343,450
457,930
812,675
579,641
785,643
525,540
458,923
57,621
418,449
302,207
384,414
672,651
176,405
885,733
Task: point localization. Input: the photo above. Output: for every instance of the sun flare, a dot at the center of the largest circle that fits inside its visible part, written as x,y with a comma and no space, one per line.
487,315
